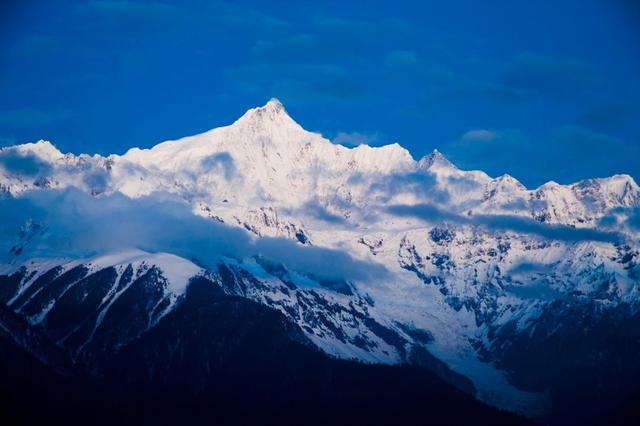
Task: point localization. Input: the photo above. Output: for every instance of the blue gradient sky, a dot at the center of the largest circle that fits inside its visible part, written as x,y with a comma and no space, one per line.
543,90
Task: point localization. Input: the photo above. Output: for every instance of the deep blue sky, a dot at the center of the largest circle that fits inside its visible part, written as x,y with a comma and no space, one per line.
538,89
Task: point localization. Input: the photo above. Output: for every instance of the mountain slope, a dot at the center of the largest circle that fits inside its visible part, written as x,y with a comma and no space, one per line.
373,255
231,360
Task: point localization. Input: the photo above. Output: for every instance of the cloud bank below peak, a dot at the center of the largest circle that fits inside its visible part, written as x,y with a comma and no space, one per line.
506,223
74,224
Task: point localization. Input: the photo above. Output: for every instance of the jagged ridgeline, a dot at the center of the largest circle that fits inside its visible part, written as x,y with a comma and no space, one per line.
261,262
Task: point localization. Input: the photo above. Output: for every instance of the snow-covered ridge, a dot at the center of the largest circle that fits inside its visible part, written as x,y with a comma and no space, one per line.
266,159
451,279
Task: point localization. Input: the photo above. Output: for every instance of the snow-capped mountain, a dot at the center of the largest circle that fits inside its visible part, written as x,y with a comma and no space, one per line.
267,159
373,255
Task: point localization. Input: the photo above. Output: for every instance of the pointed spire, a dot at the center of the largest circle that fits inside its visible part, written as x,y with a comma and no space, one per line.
435,158
269,115
508,180
503,184
275,105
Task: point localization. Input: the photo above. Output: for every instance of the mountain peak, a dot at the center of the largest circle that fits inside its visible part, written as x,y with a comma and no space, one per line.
504,184
435,158
274,104
267,117
42,149
508,180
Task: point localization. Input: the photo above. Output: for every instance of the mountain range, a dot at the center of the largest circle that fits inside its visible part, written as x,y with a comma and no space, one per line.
261,265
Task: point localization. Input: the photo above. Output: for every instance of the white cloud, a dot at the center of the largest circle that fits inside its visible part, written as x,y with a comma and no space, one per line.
353,139
479,135
78,225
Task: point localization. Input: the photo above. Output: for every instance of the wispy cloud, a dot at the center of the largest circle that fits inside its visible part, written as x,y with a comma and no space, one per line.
221,162
479,135
22,164
251,19
315,210
501,223
141,12
80,225
609,114
354,139
523,78
550,76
